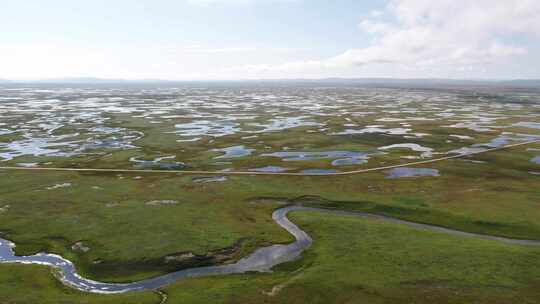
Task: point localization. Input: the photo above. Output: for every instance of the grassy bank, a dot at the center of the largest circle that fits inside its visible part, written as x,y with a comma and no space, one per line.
130,238
352,260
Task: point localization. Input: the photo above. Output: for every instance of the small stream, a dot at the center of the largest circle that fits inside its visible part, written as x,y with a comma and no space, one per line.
262,260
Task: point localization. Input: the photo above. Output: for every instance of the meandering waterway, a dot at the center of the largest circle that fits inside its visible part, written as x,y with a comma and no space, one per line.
261,260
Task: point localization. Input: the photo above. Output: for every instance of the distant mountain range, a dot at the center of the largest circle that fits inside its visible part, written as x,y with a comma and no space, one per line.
394,82
414,81
83,80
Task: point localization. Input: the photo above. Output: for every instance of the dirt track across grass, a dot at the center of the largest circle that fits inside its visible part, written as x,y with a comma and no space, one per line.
198,172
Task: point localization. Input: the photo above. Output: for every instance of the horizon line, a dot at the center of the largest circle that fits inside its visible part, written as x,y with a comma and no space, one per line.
106,79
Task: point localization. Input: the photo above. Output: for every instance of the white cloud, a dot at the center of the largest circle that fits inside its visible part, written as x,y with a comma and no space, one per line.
405,38
435,33
212,2
61,58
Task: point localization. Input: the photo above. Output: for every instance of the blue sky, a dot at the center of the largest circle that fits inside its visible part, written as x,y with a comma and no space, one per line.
240,39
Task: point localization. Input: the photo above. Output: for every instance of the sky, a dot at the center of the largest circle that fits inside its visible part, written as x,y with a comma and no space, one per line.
270,39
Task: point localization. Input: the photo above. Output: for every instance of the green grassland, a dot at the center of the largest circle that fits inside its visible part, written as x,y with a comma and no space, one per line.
31,284
352,260
130,239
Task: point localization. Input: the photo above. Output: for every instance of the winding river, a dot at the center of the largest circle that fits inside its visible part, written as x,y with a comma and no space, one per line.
262,260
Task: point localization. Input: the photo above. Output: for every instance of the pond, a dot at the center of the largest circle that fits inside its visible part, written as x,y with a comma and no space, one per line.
412,172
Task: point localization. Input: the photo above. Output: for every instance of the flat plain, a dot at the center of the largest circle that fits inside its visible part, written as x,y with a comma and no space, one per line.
128,226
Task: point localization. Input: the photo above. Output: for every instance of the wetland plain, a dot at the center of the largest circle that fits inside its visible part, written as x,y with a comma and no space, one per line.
224,238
